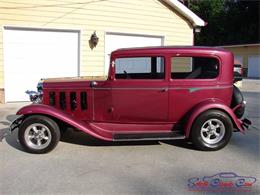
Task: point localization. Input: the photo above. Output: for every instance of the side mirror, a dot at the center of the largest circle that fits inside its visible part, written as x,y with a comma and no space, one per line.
112,71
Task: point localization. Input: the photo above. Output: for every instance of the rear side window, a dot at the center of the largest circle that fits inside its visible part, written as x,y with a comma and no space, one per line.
139,68
194,68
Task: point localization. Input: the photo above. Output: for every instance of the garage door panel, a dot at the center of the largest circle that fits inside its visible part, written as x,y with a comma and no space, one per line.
31,55
254,66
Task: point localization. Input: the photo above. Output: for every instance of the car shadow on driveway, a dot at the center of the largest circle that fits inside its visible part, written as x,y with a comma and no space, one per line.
5,131
10,138
80,138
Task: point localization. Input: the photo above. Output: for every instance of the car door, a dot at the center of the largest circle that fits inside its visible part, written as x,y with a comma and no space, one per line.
102,101
194,79
140,90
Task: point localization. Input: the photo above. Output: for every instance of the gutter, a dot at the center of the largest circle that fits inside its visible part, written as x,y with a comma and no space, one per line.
187,13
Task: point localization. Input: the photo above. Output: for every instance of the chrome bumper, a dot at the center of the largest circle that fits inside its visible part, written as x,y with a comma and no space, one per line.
16,123
246,123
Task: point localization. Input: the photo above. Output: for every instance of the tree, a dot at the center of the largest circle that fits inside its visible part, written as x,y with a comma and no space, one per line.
228,21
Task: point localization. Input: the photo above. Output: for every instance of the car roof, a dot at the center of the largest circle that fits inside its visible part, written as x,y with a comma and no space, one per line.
169,48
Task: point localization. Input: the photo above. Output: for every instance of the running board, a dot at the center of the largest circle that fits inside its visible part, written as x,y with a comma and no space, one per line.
147,136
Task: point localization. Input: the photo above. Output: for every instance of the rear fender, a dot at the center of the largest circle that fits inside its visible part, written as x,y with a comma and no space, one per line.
41,109
212,104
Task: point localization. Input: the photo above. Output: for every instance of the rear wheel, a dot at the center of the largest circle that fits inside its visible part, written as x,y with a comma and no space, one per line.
39,134
212,130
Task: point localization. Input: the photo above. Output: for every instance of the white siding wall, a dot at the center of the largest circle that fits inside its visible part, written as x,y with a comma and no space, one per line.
149,17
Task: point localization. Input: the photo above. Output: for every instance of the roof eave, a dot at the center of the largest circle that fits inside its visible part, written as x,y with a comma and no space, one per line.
186,12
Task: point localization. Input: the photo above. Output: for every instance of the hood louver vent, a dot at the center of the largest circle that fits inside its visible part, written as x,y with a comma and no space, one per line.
76,100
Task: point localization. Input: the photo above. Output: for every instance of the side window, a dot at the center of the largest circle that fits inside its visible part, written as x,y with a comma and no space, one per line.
194,68
139,68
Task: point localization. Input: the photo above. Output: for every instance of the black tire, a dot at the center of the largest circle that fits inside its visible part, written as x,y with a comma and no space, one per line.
35,128
220,136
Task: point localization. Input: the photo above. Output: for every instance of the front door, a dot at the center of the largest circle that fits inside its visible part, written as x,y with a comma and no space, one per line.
102,101
140,90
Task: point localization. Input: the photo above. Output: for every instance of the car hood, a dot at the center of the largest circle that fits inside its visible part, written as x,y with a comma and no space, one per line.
74,79
70,82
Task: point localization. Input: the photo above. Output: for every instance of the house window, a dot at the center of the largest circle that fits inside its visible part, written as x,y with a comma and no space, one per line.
194,68
139,68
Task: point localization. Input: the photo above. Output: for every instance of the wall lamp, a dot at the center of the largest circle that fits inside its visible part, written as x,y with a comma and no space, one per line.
93,41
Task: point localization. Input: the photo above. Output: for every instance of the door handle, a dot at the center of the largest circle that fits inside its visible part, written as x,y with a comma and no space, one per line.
164,90
111,109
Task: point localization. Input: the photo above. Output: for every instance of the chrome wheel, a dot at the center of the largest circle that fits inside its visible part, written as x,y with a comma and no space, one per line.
37,136
212,131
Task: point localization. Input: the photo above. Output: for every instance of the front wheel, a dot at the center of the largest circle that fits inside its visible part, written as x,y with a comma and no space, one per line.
212,130
39,134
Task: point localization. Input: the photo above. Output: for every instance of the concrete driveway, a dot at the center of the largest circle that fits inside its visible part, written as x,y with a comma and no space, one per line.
82,165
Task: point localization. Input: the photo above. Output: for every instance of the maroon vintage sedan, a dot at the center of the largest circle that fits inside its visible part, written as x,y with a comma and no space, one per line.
159,93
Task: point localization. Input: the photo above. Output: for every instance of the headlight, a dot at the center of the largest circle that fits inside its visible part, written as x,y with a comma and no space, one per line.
40,86
36,97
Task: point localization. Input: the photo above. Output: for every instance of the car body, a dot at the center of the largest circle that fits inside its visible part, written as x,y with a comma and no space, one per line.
153,93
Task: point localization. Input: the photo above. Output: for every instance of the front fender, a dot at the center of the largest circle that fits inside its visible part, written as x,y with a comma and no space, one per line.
212,104
46,110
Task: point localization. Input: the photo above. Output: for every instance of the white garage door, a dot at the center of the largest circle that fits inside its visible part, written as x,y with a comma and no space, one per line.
30,55
254,66
115,41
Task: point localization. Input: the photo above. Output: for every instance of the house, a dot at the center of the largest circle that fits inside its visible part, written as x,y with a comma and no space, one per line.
52,38
249,56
